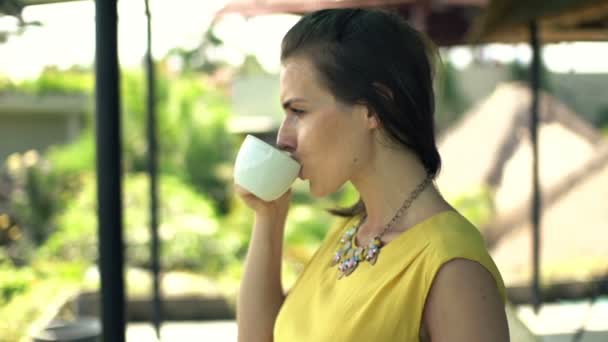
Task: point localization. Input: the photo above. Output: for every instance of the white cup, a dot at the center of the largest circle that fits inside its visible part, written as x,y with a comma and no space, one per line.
264,170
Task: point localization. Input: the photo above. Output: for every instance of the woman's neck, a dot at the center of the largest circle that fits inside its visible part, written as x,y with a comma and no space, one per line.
385,182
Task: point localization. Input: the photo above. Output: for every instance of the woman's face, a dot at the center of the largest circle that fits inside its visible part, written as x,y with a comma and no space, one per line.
331,140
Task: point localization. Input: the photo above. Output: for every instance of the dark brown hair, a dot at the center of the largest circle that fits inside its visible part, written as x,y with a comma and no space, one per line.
374,57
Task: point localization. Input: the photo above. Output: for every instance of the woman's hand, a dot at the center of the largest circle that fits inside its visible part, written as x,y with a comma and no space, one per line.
272,212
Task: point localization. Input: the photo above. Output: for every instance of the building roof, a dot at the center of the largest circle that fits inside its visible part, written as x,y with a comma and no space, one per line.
559,20
256,7
490,145
453,22
447,22
11,104
573,233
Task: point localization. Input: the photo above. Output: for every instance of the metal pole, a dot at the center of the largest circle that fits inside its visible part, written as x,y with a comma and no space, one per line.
152,169
107,118
536,200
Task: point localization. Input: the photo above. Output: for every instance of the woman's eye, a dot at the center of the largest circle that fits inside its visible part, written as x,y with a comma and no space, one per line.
297,111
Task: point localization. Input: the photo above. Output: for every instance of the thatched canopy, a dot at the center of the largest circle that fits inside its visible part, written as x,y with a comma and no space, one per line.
559,20
447,22
573,230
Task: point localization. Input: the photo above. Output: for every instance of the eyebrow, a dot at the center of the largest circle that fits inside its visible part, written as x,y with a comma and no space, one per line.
290,101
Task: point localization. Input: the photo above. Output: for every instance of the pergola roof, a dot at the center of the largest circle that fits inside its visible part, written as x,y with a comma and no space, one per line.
559,20
447,22
454,22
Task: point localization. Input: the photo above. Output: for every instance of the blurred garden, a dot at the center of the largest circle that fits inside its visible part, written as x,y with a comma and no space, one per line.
48,222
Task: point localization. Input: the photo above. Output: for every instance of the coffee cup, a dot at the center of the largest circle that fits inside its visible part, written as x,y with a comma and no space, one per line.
264,170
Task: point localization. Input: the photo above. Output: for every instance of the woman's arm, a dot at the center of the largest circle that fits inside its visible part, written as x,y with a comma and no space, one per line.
261,292
464,305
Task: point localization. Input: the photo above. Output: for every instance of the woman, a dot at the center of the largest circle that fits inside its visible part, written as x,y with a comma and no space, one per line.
403,265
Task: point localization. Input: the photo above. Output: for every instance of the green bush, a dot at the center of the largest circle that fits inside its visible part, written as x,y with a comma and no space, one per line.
13,281
25,292
203,149
210,154
306,225
37,195
476,205
189,228
53,81
193,140
74,159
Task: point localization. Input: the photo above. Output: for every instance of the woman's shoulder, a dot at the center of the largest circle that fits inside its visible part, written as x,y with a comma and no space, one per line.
453,237
451,233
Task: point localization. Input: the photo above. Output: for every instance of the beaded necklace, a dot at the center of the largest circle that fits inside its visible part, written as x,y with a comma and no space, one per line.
349,255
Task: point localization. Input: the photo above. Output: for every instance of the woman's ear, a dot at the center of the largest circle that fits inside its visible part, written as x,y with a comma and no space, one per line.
367,114
372,120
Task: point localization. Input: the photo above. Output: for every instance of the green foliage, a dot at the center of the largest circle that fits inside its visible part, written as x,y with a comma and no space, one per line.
306,225
134,118
17,280
18,315
76,236
193,140
72,160
191,127
54,81
347,196
13,281
37,196
476,205
26,292
210,150
189,230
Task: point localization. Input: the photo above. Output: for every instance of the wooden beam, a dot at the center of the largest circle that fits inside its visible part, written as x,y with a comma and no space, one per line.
549,35
502,226
257,7
519,295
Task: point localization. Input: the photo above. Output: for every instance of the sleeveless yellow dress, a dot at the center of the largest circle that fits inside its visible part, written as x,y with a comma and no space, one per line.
381,302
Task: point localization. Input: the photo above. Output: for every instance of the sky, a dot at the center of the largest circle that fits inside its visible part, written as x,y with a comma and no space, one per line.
66,38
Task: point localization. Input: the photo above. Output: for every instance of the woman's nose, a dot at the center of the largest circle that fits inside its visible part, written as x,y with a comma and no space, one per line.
286,137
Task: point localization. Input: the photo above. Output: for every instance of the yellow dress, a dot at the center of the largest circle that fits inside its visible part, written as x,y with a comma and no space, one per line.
381,302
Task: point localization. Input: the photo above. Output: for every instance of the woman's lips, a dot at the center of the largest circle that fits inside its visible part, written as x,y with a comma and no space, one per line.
301,172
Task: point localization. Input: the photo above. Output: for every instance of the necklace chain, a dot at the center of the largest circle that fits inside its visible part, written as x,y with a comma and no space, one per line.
348,256
406,204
